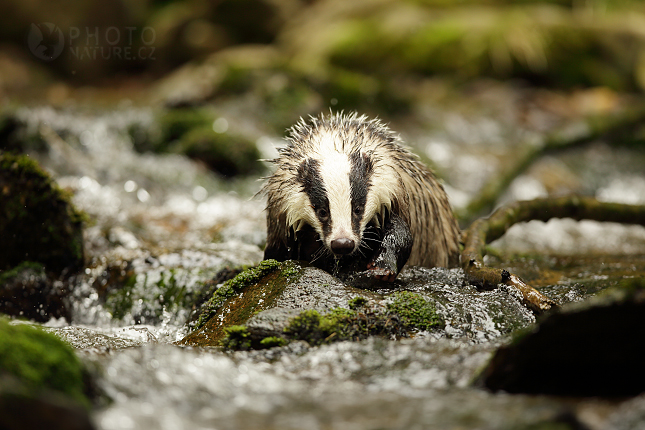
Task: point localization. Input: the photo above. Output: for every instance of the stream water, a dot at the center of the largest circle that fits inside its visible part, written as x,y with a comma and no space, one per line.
164,219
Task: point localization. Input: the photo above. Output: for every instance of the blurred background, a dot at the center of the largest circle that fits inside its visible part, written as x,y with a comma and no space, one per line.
506,99
361,51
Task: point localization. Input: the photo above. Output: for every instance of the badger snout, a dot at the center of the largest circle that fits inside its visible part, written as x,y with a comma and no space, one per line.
342,246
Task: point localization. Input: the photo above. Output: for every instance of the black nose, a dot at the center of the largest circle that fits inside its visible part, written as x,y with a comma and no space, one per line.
342,246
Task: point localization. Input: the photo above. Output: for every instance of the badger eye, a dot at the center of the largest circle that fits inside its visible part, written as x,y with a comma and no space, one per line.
358,210
322,213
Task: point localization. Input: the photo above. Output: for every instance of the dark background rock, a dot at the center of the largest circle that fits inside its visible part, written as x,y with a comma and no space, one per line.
21,409
37,221
27,292
588,349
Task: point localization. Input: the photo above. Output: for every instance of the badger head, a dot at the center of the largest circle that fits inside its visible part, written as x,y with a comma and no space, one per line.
339,194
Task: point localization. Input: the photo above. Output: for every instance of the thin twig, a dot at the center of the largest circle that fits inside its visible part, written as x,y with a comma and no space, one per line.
484,231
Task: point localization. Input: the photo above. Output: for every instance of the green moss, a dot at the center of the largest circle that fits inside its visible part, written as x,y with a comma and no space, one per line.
307,326
290,271
236,337
37,220
348,324
190,131
175,123
7,275
233,286
119,301
170,290
407,312
357,302
40,360
271,341
225,153
239,338
414,311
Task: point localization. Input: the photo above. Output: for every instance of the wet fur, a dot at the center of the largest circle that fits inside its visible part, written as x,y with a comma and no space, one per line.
402,196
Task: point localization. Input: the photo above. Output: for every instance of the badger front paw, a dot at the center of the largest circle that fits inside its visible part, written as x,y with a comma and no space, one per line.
375,270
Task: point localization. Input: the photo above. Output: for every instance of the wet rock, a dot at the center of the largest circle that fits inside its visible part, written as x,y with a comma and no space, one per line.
590,348
27,292
309,304
21,409
42,381
37,221
17,136
476,315
224,153
271,322
40,361
239,298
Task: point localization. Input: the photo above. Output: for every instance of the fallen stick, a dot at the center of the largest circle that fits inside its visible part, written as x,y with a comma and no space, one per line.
484,231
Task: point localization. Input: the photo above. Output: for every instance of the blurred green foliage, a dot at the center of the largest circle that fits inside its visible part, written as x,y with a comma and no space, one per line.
561,43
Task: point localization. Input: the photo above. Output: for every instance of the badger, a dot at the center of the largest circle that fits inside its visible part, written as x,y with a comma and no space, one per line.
347,192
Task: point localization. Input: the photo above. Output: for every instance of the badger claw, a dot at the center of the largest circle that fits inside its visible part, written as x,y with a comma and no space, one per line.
380,273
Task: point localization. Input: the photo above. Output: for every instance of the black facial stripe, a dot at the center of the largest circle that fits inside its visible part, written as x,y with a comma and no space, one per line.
312,184
359,181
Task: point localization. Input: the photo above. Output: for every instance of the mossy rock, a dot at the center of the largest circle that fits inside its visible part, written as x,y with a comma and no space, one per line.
404,314
225,153
590,348
251,291
189,131
170,125
21,409
26,291
15,136
274,303
38,223
40,361
414,311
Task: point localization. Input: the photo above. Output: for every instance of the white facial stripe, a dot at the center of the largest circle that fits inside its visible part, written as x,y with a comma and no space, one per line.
335,169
